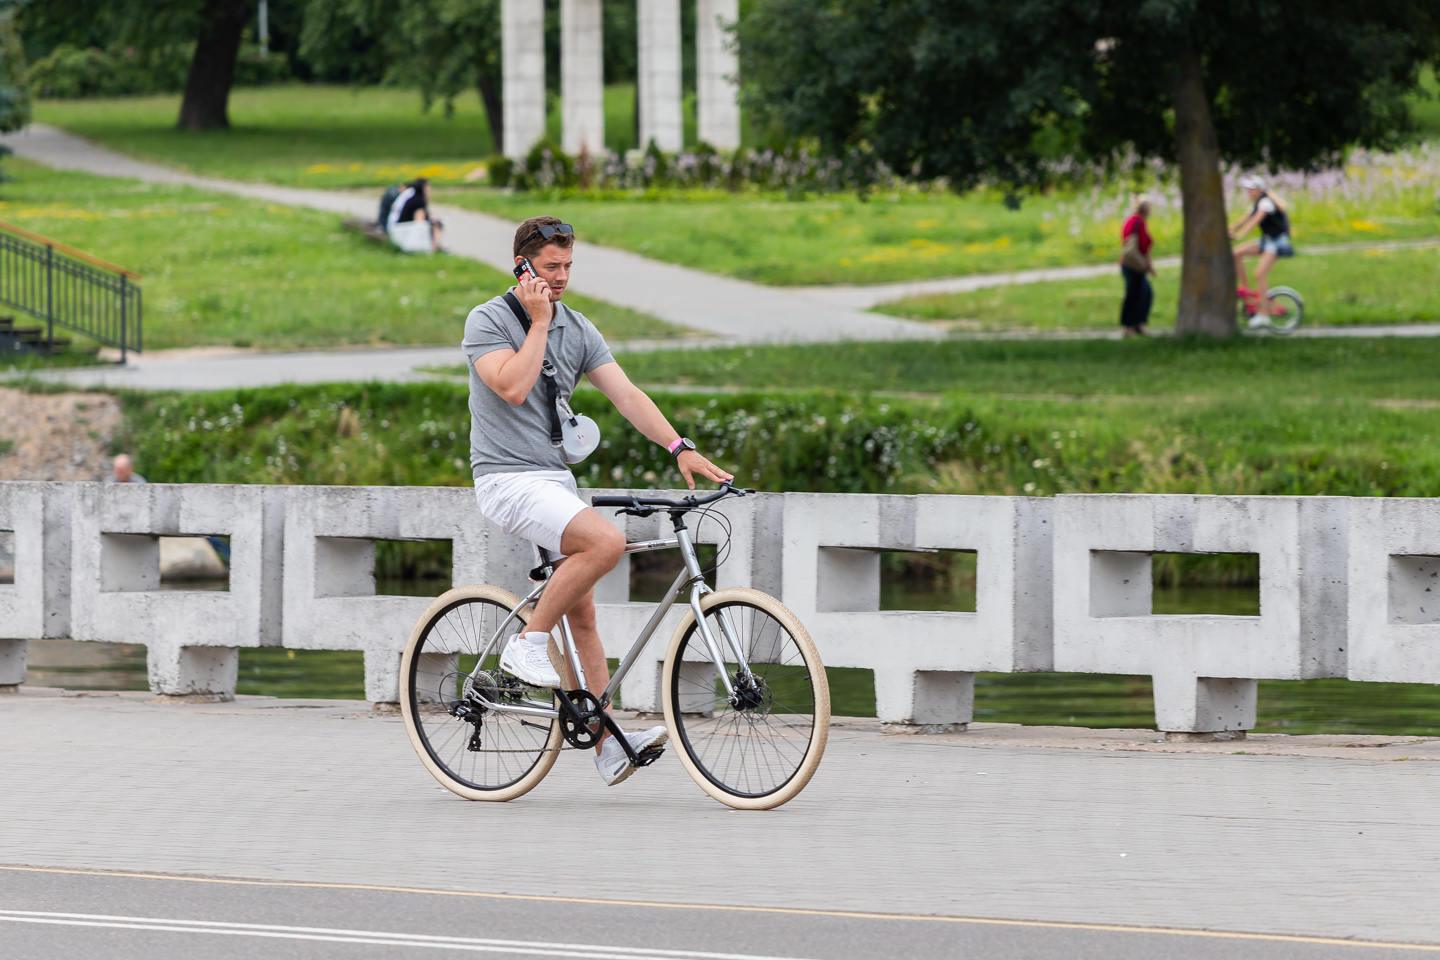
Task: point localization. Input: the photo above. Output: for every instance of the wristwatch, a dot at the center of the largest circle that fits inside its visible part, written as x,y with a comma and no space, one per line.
684,443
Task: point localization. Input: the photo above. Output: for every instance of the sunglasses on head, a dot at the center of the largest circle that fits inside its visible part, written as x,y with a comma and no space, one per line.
547,230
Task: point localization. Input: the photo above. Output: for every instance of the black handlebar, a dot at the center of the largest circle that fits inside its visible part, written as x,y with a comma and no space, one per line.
648,505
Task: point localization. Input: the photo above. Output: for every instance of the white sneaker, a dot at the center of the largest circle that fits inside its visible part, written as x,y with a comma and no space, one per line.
1259,320
614,765
527,656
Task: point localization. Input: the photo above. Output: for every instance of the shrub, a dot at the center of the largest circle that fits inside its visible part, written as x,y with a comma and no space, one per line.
500,169
795,170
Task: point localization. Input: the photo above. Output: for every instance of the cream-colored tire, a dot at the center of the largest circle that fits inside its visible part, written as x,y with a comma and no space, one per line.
501,757
760,752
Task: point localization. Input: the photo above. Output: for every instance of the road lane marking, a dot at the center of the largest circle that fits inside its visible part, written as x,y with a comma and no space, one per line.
581,951
791,911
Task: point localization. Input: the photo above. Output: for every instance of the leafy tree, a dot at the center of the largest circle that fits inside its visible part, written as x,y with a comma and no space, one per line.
215,27
966,88
14,95
443,47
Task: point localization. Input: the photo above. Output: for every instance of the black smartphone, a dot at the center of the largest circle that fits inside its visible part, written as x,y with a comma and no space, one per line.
524,270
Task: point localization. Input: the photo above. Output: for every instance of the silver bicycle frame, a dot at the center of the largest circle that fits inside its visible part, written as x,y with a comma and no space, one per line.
690,576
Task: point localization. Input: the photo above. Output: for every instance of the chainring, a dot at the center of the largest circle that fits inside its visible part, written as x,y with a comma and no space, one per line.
579,732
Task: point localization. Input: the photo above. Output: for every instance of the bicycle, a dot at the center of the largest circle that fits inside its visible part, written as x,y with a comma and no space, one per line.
1287,308
745,695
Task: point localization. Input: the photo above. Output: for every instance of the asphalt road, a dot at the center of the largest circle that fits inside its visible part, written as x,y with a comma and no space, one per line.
1005,842
58,913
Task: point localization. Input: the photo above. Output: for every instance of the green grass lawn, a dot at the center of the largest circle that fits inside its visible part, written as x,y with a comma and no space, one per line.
314,136
1262,371
1344,416
1340,289
322,136
338,137
226,270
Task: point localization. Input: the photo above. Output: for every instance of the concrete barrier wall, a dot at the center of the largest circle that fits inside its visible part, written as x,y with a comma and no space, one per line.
1204,667
330,601
192,636
1394,590
924,662
36,603
1349,587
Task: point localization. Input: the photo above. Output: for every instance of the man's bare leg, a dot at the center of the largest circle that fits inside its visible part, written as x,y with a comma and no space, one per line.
592,547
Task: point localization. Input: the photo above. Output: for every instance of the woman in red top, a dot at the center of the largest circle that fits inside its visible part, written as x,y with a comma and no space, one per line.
1139,295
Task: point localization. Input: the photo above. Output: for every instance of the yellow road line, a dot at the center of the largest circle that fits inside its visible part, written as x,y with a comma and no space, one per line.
793,911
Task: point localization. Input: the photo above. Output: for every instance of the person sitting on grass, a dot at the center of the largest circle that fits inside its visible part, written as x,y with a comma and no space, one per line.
412,207
1268,213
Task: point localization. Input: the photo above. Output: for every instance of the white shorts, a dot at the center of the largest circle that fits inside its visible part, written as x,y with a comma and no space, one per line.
536,505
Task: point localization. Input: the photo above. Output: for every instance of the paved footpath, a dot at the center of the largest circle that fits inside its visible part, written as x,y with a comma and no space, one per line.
1316,836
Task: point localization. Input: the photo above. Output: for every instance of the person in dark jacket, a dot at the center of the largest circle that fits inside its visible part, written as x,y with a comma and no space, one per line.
413,206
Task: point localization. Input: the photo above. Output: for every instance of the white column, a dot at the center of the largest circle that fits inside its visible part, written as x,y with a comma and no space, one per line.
659,69
522,50
717,68
582,77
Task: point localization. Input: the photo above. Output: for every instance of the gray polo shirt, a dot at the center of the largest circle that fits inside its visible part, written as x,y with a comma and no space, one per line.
512,439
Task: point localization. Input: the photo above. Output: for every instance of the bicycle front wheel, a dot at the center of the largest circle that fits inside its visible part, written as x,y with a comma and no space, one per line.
758,747
1286,309
451,662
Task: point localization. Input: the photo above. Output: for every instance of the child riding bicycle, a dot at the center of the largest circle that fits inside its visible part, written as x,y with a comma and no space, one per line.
1268,212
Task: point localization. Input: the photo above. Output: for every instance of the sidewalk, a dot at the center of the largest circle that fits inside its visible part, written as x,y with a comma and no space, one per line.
1332,836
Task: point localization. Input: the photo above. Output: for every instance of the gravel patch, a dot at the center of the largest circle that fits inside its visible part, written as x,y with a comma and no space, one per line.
56,436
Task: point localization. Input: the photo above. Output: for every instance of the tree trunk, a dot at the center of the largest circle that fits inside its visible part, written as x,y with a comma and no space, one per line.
1207,273
494,106
212,69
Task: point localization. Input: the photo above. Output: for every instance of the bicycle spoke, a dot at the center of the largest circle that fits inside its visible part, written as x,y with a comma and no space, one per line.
756,744
472,748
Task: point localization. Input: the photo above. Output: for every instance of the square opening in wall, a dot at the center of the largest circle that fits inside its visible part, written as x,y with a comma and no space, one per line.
194,562
1208,584
7,556
413,568
1414,589
928,580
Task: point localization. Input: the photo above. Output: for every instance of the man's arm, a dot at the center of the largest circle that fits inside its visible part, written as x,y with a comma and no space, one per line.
636,406
512,373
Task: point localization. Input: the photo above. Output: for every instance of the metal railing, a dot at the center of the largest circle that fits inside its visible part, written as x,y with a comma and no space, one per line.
68,288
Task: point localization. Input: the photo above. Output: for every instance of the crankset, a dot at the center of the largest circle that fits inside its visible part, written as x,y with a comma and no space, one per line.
581,718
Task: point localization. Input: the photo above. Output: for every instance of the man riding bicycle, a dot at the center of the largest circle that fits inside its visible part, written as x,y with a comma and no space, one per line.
522,481
1268,213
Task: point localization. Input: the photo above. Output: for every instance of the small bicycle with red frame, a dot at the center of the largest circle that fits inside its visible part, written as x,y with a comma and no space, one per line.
1287,308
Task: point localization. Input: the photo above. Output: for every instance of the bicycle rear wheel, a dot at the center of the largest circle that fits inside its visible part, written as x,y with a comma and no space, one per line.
477,752
759,748
1287,309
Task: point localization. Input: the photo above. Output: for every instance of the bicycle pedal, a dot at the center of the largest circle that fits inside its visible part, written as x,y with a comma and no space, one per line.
648,756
